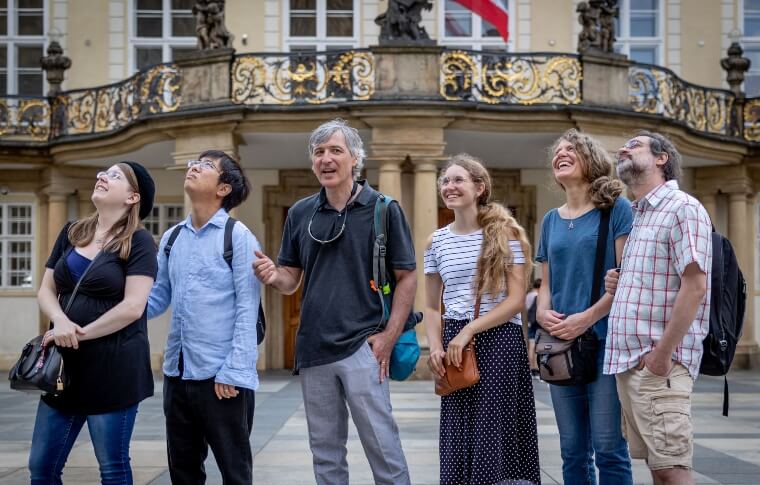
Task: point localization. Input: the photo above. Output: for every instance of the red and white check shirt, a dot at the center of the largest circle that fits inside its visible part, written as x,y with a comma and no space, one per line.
670,230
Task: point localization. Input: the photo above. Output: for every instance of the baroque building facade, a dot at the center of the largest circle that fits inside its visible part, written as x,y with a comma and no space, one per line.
136,90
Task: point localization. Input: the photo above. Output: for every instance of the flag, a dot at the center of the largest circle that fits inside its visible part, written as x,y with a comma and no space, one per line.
493,11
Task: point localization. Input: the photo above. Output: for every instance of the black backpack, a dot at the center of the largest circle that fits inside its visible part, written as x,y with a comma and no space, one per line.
727,306
261,323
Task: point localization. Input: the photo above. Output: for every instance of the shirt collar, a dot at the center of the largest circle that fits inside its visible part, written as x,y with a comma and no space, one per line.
657,194
365,196
218,219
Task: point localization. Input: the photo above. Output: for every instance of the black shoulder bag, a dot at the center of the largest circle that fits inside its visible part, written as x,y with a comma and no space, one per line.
573,362
40,367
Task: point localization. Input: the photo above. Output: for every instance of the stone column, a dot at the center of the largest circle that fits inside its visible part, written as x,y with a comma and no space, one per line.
389,180
57,216
709,201
747,351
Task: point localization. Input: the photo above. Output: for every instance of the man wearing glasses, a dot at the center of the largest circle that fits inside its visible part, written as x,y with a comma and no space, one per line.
342,348
210,359
661,310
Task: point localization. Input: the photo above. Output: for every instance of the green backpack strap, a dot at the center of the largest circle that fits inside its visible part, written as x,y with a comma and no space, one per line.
380,282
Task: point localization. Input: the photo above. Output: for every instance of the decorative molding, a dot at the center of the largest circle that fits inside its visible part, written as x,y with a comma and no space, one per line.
523,26
117,66
272,30
673,35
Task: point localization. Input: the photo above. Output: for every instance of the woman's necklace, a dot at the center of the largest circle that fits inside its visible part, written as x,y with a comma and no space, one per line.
573,218
100,241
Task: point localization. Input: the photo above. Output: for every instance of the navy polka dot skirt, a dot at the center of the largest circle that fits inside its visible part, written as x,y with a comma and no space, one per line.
488,431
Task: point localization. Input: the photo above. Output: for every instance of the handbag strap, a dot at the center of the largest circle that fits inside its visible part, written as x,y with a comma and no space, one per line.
601,247
76,287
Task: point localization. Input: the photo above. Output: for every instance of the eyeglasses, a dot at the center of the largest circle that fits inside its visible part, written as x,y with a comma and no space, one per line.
343,214
203,164
456,181
631,144
111,175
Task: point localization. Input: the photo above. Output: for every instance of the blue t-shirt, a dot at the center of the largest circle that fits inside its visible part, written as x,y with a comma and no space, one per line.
571,254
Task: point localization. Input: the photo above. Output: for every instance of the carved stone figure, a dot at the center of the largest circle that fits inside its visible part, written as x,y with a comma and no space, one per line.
597,17
609,11
735,65
400,23
209,25
587,37
54,64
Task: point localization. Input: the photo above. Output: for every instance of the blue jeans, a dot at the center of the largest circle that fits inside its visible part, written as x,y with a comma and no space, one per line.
56,431
588,417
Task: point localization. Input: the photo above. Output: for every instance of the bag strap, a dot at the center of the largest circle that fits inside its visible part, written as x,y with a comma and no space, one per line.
228,251
380,282
76,287
601,247
172,237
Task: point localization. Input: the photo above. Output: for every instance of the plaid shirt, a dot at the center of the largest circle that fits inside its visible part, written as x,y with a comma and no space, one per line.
670,230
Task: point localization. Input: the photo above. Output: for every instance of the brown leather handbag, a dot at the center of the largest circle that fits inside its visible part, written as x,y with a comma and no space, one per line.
457,378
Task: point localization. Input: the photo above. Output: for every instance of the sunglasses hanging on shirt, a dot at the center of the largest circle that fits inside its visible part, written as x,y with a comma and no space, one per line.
341,214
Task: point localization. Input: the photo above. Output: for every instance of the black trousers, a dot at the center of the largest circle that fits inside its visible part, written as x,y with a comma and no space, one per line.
195,420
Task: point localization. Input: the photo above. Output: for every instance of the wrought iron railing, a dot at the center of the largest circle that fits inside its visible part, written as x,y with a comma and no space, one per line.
98,110
751,119
24,118
508,78
657,90
303,78
111,108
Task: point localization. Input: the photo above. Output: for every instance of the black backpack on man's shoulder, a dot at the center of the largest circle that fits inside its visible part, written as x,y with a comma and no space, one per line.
261,322
727,305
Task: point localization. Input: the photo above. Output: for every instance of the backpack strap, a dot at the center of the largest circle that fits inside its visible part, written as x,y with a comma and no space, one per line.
601,247
228,251
380,282
172,237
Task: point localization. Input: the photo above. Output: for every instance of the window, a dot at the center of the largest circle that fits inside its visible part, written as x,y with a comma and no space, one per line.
317,25
22,42
751,44
162,217
465,30
160,29
638,30
16,246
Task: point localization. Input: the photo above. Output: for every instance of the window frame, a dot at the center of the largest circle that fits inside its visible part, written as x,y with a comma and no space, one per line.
165,42
749,43
320,41
12,41
163,222
6,238
478,42
624,41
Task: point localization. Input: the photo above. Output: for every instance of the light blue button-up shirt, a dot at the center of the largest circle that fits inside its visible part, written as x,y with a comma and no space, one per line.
214,310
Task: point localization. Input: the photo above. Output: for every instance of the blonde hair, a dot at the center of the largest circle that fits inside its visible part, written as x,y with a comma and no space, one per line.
596,165
496,259
82,231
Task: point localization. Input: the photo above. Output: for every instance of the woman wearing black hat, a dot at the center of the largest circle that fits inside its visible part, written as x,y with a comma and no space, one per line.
103,336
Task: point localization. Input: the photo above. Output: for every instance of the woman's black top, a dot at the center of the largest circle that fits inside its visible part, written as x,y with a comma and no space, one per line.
110,372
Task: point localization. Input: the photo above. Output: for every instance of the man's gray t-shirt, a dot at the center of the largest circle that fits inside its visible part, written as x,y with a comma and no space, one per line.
339,310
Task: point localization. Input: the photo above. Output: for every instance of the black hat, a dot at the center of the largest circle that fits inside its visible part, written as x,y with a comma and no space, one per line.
146,187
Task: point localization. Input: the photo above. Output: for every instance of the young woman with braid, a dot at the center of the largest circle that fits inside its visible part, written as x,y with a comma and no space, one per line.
588,416
488,431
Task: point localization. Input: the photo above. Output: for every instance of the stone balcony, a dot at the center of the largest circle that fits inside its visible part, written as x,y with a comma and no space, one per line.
224,82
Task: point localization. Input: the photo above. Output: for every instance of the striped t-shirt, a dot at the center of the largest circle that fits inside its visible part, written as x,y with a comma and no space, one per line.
455,258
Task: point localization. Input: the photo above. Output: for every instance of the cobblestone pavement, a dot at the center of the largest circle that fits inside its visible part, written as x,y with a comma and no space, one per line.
727,450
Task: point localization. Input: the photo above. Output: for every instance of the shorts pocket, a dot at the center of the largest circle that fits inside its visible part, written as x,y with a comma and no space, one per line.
671,423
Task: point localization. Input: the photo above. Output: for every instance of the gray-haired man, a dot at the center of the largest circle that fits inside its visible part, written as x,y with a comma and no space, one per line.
341,350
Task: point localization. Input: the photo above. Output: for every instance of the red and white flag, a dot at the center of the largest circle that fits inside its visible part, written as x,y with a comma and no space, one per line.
493,11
